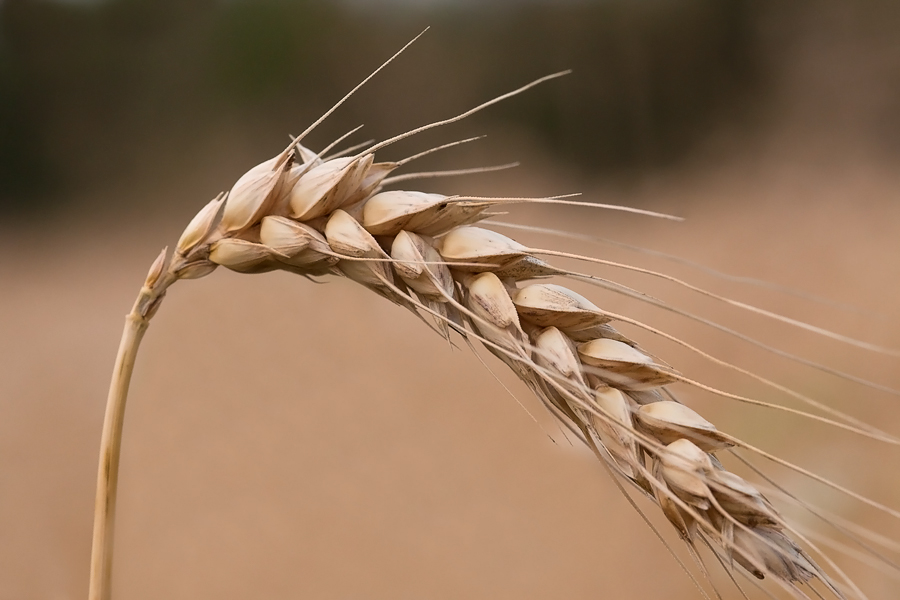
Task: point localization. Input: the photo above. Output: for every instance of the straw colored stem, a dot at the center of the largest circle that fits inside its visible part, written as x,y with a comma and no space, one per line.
111,443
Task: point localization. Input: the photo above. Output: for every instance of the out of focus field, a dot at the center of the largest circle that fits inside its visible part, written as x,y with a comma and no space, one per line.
285,439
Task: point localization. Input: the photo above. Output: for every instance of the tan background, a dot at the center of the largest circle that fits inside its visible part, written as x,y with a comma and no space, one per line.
285,439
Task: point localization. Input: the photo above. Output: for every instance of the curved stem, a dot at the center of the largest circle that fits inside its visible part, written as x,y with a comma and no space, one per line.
111,442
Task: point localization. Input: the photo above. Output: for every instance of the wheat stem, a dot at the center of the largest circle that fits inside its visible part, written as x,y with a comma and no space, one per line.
136,323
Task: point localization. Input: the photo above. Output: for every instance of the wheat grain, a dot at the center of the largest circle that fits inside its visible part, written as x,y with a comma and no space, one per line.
317,216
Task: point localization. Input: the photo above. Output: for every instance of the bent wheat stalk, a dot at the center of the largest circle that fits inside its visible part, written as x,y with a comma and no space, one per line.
316,216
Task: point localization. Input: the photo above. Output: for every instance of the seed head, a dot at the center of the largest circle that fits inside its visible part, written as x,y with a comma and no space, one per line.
419,266
623,366
255,193
685,468
243,256
547,304
477,245
156,269
200,226
327,187
297,244
670,421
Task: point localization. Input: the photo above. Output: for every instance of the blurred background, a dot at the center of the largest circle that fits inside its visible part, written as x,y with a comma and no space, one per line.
287,440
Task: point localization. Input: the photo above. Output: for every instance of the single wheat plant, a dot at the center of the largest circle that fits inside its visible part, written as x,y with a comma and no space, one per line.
319,214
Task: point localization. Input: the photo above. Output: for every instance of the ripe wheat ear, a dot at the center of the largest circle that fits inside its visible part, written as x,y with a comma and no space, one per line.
317,215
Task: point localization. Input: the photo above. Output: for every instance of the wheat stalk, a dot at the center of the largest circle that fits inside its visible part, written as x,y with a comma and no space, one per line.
316,215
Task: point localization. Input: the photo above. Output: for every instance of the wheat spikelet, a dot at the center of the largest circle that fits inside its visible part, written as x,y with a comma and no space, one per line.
314,215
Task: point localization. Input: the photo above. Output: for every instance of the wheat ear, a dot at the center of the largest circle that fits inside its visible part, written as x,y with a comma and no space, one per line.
317,216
